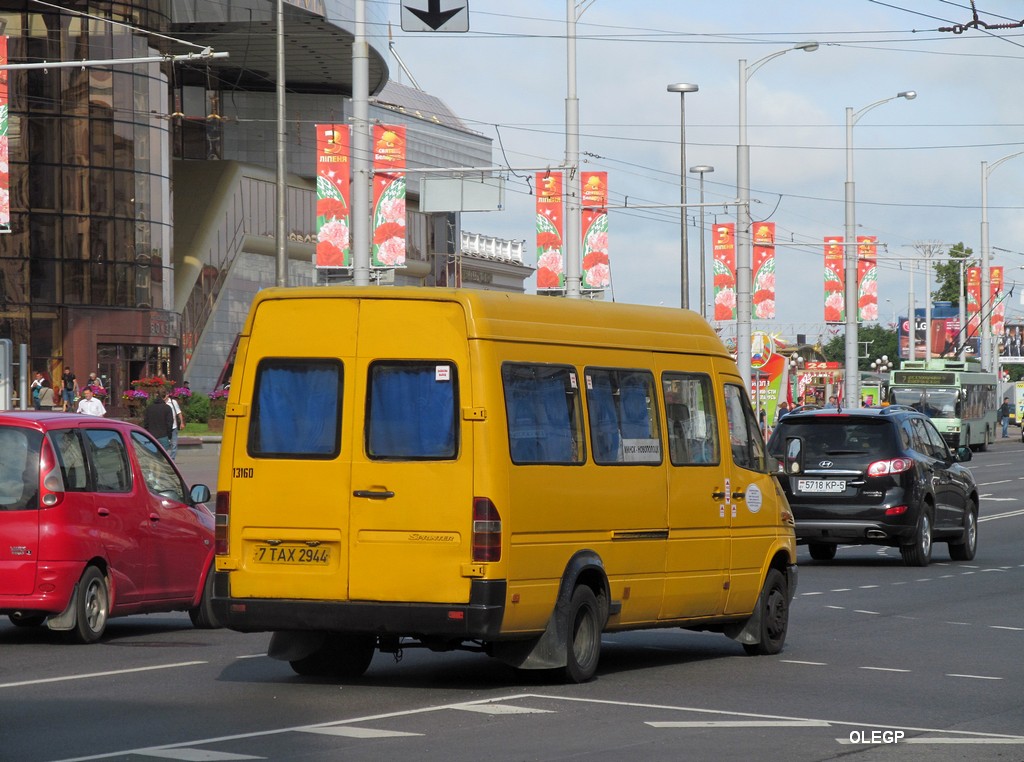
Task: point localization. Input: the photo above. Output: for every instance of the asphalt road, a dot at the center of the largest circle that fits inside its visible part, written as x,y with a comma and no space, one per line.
882,662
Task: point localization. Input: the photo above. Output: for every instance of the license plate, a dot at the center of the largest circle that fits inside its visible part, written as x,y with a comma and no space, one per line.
821,485
291,554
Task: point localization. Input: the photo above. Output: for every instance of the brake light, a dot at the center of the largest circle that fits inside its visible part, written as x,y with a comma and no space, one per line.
894,466
51,491
486,530
220,536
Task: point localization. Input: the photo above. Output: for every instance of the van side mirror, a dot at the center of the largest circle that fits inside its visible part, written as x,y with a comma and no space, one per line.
794,460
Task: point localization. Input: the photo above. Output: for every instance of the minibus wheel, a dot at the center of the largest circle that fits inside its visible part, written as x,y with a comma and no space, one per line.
583,636
342,655
92,606
774,613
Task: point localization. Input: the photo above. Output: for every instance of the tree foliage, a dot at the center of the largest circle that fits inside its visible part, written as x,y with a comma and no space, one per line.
947,274
878,340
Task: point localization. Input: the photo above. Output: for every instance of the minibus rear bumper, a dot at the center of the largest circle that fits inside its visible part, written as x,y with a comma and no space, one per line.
479,619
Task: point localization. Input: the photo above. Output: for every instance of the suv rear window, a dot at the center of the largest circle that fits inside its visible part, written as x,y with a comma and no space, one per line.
828,437
19,469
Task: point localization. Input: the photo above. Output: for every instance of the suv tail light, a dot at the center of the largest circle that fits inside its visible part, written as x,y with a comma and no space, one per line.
51,482
220,536
486,530
886,467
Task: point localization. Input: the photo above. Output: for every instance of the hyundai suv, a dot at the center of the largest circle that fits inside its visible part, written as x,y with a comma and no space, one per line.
877,476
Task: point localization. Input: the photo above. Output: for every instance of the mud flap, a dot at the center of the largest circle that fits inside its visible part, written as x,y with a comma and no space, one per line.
68,618
292,645
749,631
546,652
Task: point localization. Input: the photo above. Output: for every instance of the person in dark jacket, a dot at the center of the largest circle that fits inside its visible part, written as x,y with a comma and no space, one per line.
1004,416
158,420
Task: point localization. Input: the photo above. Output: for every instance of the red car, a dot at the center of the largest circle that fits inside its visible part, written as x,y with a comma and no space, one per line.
96,521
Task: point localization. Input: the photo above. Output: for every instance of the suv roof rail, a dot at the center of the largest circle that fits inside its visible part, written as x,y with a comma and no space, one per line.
897,409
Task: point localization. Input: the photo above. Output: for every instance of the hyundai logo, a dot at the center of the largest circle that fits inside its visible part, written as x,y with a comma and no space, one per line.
826,464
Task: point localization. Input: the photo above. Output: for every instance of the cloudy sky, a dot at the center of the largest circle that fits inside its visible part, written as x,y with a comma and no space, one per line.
917,164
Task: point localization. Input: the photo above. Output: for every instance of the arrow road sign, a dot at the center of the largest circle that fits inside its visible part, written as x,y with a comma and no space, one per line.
428,16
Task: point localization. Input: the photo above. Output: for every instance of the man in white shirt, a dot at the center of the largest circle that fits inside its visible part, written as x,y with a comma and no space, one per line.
179,422
90,405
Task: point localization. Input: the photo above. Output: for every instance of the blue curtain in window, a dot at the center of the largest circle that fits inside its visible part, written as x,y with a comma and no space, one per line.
556,436
412,414
296,410
604,423
540,429
635,415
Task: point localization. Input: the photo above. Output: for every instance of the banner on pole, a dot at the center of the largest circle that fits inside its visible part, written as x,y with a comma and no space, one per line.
764,270
835,298
333,210
550,256
5,167
724,270
867,278
388,250
597,274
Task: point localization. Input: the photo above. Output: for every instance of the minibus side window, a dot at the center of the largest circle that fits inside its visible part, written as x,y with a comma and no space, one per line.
745,440
412,410
19,469
296,409
623,417
544,412
692,422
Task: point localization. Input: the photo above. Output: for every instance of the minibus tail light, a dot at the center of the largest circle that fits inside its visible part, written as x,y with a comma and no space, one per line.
486,530
221,544
52,489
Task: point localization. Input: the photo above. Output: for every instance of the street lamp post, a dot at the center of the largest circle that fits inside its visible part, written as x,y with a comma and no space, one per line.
986,255
684,263
852,391
744,261
881,366
702,169
796,364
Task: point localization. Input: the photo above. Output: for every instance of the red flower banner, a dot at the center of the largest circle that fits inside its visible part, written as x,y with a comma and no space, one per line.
835,300
996,304
597,274
973,301
550,257
997,300
388,250
867,278
333,247
724,270
764,270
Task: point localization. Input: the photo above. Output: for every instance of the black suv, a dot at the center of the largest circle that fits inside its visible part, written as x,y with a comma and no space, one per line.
879,476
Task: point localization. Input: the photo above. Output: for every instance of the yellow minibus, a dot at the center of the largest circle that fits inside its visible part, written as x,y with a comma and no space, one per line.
513,474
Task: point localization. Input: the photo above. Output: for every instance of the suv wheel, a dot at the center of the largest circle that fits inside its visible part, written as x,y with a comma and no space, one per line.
822,551
919,552
968,545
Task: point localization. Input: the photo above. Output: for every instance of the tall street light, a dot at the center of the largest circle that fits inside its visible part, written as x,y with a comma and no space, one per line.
986,255
745,254
684,263
852,391
702,169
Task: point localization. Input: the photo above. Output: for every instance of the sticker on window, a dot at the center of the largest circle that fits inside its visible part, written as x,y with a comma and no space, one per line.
641,450
443,373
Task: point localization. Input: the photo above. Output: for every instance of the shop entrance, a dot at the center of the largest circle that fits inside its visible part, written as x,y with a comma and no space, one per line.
120,364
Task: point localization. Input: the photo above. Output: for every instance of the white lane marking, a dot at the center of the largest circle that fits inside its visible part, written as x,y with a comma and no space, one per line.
884,669
350,732
976,677
1005,627
868,587
995,516
989,484
197,755
990,499
806,663
743,724
499,709
90,675
865,611
947,741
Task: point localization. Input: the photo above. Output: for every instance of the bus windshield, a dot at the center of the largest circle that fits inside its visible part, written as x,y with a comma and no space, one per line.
935,403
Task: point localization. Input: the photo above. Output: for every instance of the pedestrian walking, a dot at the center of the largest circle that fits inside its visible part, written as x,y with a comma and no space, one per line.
178,424
68,389
90,405
37,389
158,420
1004,417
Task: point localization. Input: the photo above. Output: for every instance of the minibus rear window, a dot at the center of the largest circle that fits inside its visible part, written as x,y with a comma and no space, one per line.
19,468
411,410
545,421
296,409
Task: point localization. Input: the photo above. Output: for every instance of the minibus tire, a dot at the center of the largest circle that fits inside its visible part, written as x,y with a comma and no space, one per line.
583,636
92,606
774,613
342,655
